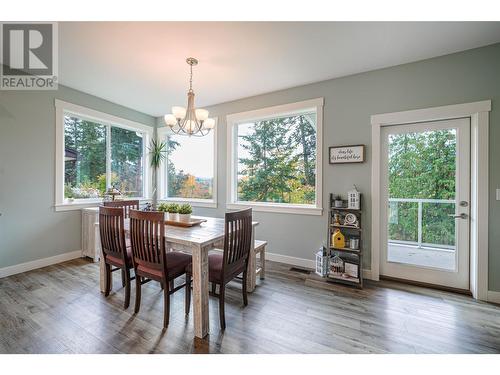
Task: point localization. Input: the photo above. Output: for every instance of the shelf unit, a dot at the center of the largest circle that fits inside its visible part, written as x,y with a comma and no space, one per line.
348,255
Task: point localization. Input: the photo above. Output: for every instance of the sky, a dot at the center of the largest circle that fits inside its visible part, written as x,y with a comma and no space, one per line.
194,155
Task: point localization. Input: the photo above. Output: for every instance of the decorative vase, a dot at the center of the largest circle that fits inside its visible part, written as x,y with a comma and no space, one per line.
184,218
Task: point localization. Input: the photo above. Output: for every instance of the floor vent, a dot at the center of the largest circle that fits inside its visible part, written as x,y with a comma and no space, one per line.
301,270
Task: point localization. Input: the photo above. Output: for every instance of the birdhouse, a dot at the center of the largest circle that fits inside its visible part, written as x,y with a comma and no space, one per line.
353,199
338,239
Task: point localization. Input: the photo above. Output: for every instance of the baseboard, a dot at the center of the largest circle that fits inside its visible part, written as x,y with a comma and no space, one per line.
301,262
493,296
39,263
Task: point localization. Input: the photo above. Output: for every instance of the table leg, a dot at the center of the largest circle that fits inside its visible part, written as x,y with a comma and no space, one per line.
252,265
102,269
200,291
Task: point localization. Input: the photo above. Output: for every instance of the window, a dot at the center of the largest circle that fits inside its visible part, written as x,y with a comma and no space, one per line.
275,162
97,151
189,172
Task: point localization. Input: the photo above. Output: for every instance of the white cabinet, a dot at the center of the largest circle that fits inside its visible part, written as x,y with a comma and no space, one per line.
90,234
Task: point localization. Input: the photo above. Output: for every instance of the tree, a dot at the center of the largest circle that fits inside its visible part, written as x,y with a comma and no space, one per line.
281,161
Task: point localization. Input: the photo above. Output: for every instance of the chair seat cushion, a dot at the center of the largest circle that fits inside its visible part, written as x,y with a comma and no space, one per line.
119,261
215,261
176,265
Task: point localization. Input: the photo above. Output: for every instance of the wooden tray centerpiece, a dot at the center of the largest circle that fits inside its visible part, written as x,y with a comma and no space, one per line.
185,224
179,216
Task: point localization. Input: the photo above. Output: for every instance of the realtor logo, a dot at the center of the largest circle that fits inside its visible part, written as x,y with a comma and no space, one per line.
28,56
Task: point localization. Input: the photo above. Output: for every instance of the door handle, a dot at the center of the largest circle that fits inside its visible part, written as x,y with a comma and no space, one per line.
461,216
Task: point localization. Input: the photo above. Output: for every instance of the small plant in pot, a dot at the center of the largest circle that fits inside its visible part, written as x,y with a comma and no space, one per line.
185,212
173,212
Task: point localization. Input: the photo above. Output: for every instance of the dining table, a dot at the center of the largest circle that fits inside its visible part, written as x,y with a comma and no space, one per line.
197,240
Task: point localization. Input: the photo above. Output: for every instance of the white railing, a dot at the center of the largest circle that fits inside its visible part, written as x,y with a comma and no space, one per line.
420,202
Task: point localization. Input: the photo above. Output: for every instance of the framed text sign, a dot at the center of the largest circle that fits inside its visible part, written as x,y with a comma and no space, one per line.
347,154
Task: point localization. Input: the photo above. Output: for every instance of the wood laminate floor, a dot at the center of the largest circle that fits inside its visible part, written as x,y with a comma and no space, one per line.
59,309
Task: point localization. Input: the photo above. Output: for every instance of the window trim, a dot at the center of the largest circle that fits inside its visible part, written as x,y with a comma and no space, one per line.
162,176
62,108
232,120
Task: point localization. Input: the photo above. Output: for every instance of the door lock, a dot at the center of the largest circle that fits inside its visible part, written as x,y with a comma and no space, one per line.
464,203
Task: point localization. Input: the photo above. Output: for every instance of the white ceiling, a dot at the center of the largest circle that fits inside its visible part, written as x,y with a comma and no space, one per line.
141,65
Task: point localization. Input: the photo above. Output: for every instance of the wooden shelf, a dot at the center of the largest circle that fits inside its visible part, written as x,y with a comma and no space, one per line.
346,249
349,280
345,209
344,226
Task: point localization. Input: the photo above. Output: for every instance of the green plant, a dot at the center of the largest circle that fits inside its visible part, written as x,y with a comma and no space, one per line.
185,209
158,152
163,207
172,208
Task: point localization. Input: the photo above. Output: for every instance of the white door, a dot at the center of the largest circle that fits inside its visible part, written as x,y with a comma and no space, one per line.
425,192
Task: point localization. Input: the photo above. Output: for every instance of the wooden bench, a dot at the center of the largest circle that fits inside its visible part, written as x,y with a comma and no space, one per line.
260,248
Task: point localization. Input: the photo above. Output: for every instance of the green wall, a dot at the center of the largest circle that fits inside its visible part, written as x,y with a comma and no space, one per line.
349,102
30,229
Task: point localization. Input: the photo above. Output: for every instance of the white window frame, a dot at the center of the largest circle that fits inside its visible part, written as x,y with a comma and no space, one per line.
233,120
64,108
162,175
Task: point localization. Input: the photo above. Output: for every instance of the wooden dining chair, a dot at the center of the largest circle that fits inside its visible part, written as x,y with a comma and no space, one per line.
150,258
126,205
222,268
114,249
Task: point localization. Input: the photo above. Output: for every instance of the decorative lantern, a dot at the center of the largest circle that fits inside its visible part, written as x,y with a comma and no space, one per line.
336,265
322,263
353,199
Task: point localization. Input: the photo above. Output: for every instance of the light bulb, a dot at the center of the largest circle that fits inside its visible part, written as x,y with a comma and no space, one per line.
179,112
201,114
209,123
170,120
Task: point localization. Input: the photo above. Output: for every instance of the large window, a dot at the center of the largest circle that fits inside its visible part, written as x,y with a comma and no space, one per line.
189,173
97,152
274,158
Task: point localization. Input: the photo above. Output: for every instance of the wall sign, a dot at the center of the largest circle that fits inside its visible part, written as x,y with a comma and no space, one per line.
347,154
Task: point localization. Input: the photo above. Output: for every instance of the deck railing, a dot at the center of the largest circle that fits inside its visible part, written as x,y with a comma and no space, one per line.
420,202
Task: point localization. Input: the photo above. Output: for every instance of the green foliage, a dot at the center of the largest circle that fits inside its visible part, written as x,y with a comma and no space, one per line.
157,152
163,207
173,208
185,209
281,161
422,165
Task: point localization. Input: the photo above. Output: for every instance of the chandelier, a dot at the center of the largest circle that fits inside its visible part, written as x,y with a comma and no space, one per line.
190,121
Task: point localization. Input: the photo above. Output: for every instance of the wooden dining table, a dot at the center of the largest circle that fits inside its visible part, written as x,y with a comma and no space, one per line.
198,241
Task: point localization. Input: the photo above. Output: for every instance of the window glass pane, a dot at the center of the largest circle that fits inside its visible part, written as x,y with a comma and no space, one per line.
84,158
190,167
277,160
127,161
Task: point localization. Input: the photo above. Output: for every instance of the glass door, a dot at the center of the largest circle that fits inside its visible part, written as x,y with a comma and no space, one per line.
425,187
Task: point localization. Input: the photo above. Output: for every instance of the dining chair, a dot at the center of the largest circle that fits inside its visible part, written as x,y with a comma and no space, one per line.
126,205
150,258
222,268
114,249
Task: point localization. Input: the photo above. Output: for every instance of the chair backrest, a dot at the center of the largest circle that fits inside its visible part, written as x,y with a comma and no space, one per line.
126,205
147,235
112,231
237,240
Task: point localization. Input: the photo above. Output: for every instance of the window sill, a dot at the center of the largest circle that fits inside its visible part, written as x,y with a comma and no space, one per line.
78,204
277,208
207,203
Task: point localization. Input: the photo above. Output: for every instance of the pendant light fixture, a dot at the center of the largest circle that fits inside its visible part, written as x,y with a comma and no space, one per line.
190,121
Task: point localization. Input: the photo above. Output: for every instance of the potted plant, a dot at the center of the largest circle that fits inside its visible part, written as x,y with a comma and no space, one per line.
162,207
172,212
338,201
185,212
157,152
